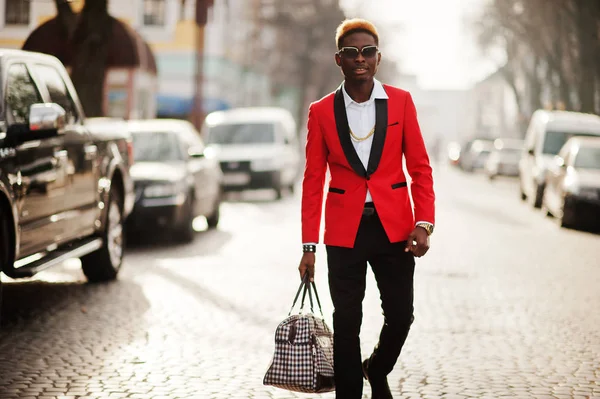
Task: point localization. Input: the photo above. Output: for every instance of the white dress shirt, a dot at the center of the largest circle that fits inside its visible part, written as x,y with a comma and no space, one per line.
361,119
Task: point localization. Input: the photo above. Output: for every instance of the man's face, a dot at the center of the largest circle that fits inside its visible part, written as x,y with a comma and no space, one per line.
358,66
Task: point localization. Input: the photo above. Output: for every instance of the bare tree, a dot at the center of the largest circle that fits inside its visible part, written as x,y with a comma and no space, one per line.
587,38
88,35
302,51
554,45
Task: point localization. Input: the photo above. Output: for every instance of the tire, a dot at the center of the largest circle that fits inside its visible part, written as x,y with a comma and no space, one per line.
523,196
4,251
292,188
185,232
536,200
104,264
278,193
568,218
521,192
545,209
213,220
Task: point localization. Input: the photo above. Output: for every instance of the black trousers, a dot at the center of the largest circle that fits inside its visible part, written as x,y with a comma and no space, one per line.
393,269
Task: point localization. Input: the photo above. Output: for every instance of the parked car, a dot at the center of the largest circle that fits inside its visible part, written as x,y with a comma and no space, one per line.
504,158
475,154
257,147
176,178
548,131
572,191
65,187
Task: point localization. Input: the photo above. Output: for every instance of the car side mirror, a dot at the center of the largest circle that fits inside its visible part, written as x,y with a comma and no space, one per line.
45,120
531,151
196,152
47,117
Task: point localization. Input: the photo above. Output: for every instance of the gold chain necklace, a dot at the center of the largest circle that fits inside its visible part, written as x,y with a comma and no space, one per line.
356,138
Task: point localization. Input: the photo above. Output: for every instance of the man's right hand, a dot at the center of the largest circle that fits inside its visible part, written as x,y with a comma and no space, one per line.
307,264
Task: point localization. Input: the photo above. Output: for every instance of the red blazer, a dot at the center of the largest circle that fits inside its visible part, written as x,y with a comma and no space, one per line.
397,133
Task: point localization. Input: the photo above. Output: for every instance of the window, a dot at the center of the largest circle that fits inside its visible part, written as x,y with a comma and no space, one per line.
156,147
57,90
588,158
16,12
21,94
254,133
154,12
555,140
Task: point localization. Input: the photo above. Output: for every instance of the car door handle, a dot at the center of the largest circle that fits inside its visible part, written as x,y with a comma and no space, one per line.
90,152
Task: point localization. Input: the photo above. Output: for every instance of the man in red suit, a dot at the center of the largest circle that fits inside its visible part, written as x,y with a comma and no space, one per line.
361,132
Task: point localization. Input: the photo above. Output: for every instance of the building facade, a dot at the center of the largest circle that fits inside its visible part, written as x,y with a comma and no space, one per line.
493,110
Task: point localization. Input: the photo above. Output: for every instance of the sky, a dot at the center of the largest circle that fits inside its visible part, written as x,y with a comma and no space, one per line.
431,39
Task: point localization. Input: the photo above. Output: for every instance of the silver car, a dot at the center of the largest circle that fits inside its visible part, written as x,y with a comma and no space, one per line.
504,159
572,191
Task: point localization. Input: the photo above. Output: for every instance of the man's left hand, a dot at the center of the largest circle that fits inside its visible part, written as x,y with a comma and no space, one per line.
418,242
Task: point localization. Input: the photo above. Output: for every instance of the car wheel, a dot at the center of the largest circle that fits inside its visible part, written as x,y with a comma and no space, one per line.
536,200
545,209
213,220
104,264
186,231
4,251
278,193
568,217
523,196
521,192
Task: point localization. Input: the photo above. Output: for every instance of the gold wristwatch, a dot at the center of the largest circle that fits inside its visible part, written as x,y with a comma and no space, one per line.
427,226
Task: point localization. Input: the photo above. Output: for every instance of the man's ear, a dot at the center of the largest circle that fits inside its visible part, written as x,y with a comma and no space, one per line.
378,58
338,60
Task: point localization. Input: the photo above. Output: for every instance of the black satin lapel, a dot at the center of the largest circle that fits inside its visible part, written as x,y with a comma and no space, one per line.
381,120
341,123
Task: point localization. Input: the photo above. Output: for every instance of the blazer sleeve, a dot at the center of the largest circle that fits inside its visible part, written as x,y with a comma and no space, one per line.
417,164
314,179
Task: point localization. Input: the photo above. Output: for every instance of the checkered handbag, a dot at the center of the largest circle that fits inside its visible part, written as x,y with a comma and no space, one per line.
303,359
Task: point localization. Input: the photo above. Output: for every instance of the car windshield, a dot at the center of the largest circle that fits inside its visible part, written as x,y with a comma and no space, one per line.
555,140
588,158
250,133
156,147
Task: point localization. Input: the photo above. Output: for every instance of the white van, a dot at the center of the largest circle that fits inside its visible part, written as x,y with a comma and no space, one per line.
257,147
548,131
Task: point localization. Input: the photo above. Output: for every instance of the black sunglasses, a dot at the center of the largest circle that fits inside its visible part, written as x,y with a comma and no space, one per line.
353,52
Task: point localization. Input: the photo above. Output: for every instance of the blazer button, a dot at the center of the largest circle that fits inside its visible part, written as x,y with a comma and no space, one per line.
368,177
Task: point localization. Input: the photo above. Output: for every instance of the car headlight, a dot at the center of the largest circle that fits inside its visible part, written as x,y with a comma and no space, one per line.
589,193
571,184
261,165
164,190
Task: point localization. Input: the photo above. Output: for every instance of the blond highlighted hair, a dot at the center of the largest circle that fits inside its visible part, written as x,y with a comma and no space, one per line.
355,25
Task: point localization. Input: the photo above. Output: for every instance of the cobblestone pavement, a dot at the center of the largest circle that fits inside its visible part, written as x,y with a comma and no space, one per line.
507,304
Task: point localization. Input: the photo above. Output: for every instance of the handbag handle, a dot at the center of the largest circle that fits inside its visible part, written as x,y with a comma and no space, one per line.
297,295
314,287
306,284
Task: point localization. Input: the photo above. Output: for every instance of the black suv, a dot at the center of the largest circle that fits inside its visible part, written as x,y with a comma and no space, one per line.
65,188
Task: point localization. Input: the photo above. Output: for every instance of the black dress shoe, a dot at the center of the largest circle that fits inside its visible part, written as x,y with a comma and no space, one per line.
379,385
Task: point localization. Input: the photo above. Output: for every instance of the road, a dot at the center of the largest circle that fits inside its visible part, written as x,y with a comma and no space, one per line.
507,304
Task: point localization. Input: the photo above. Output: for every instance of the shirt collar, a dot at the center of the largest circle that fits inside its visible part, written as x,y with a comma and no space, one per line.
377,93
